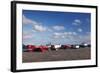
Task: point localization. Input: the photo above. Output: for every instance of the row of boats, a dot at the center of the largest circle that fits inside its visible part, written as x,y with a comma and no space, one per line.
43,48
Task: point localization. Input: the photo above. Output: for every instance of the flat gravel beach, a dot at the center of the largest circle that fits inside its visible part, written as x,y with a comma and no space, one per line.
60,55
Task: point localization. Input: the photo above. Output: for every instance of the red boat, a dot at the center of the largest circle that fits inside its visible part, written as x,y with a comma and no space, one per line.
42,48
32,48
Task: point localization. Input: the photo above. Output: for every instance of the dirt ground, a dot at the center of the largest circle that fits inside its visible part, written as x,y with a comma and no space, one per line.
60,55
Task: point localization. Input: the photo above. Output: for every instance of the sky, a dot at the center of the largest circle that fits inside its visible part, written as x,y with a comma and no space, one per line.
44,27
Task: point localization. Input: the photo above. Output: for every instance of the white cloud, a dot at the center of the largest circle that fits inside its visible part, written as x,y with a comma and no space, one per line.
76,22
39,28
80,30
28,21
58,28
64,35
36,25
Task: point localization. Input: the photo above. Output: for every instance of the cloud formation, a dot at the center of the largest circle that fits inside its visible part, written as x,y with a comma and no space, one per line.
28,21
58,28
76,22
57,35
80,30
39,27
69,36
36,25
73,37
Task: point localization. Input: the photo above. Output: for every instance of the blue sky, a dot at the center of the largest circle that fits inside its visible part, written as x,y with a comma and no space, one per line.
43,27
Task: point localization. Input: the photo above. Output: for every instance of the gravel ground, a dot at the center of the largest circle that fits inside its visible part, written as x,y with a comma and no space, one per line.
60,55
